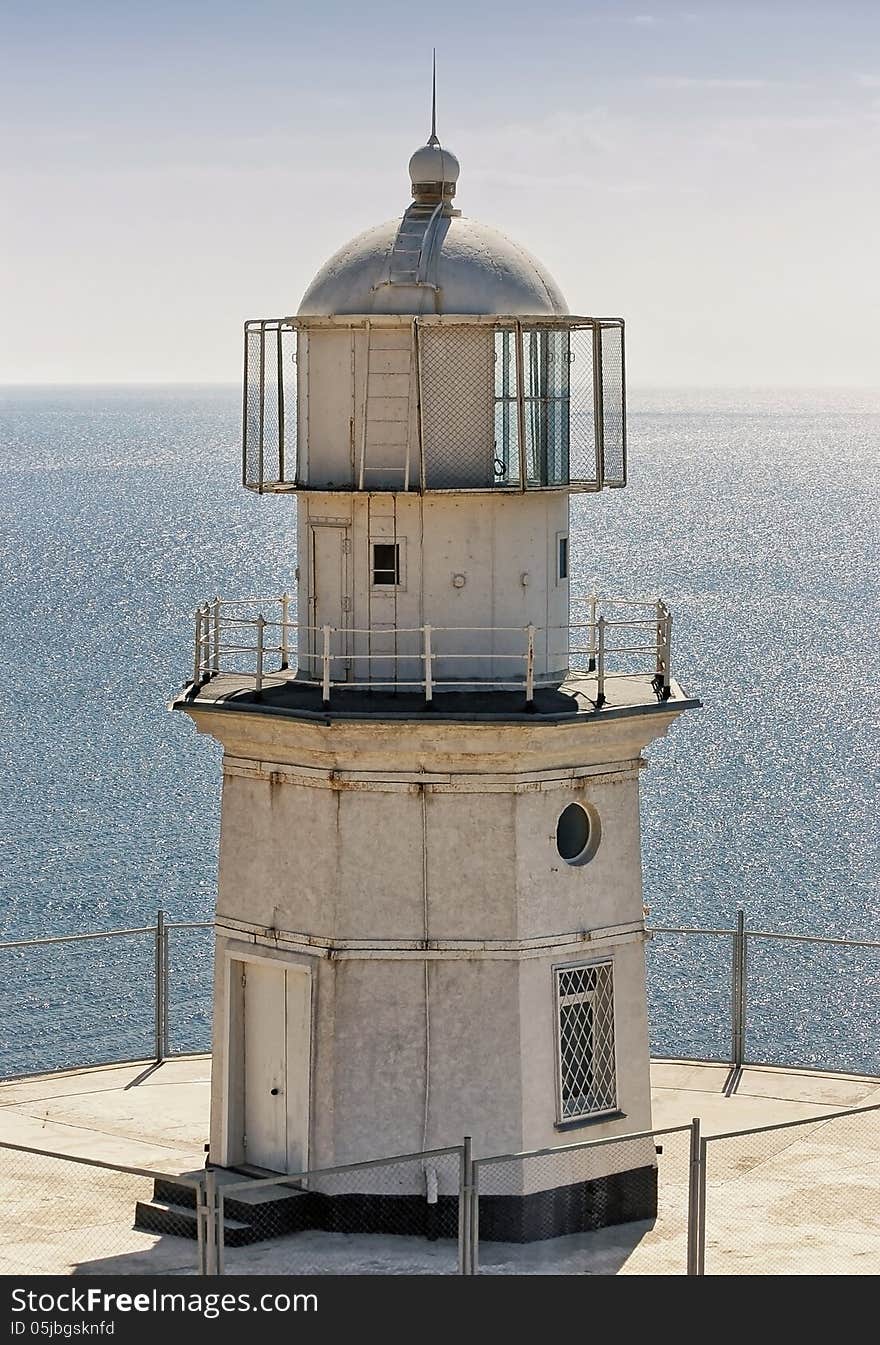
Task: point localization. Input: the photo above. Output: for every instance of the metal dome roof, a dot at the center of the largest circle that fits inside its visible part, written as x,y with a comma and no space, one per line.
470,268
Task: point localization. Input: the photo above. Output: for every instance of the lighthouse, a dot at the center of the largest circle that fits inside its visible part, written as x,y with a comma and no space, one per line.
430,917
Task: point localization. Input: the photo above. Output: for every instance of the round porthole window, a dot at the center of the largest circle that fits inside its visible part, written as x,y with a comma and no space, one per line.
578,833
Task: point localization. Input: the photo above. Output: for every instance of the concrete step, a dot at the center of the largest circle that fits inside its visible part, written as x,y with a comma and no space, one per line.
162,1216
270,1211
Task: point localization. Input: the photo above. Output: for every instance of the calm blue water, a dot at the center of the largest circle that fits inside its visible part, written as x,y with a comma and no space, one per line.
753,513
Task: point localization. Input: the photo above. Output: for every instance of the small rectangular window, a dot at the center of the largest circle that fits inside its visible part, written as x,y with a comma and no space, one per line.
585,1040
563,558
386,564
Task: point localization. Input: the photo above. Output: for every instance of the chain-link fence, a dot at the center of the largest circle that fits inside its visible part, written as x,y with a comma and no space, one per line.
597,1208
190,979
98,999
812,1188
812,1004
689,993
84,1000
61,1215
399,1216
146,993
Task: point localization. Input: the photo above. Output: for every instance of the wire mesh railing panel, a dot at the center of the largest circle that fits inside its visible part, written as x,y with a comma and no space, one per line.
457,379
189,988
583,456
813,1190
507,431
600,1209
270,410
78,1002
689,994
613,408
813,1005
399,1217
60,1217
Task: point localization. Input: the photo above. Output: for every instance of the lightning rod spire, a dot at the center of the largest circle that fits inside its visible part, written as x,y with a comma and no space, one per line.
433,140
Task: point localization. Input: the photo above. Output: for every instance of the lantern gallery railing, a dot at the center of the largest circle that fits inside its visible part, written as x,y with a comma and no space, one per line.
237,638
434,404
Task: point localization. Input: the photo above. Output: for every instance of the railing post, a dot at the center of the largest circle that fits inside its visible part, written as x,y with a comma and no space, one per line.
285,614
591,662
600,663
261,626
215,658
665,689
429,669
659,617
325,668
161,978
530,668
693,1224
464,1208
197,662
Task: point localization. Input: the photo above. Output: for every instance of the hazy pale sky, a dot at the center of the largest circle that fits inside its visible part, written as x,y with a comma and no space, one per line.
709,171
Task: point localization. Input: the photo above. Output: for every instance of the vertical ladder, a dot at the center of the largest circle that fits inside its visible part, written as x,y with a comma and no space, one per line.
389,409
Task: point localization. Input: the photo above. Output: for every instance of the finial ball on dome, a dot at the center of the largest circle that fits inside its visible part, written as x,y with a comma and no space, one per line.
433,172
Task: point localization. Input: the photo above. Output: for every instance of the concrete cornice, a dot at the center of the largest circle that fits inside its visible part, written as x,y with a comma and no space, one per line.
569,944
433,746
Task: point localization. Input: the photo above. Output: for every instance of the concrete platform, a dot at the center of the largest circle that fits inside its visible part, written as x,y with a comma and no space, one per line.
800,1200
575,698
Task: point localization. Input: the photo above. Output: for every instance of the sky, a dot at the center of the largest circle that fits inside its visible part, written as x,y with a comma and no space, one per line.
708,171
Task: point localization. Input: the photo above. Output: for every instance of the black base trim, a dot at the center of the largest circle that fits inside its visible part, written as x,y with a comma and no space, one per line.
580,1207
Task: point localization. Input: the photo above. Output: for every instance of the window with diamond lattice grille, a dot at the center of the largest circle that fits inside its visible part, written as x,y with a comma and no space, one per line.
585,1039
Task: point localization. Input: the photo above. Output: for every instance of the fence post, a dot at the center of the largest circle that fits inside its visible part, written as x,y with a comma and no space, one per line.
600,663
210,1222
325,669
429,670
701,1213
464,1208
474,1238
693,1240
591,661
285,650
743,983
530,668
220,1225
737,1009
161,986
261,625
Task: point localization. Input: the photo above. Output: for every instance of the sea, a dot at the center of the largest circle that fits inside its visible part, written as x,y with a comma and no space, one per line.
753,512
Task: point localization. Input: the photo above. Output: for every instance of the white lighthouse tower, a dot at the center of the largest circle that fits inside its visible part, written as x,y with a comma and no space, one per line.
429,919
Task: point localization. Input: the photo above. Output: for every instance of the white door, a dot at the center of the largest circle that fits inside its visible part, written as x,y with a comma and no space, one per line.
277,1049
328,598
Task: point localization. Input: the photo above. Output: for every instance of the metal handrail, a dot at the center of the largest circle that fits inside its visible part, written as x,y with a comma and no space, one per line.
211,619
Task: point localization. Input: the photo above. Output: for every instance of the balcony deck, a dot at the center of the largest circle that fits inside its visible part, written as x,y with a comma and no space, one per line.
577,697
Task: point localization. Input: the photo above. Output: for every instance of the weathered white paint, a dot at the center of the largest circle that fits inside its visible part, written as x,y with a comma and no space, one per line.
491,546
405,868
373,868
473,268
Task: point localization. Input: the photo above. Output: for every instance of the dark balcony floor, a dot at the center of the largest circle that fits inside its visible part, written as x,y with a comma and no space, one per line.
284,694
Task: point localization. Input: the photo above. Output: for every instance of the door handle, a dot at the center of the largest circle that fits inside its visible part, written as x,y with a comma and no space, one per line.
274,1091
